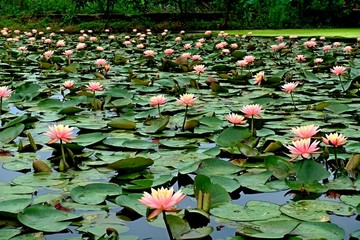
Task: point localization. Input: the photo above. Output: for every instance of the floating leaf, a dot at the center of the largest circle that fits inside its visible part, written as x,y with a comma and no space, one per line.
94,193
231,136
253,211
315,210
319,230
122,124
46,218
131,164
9,134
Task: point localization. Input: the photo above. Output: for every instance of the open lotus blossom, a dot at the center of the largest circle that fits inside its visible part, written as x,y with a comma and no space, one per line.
280,38
196,58
234,46
68,53
334,139
347,49
252,110
338,70
259,77
207,33
60,43
68,84
186,99
157,100
100,62
307,131
60,132
22,49
322,38
310,44
327,47
199,69
99,48
337,44
94,86
48,54
281,45
318,60
169,51
80,46
149,53
304,148
242,63
5,92
300,58
162,199
235,119
249,59
187,46
186,55
289,87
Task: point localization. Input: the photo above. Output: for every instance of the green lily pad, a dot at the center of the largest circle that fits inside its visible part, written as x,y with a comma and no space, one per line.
130,201
46,218
14,206
231,136
157,125
253,211
8,232
131,164
122,124
319,230
94,193
275,228
9,134
315,210
214,166
89,138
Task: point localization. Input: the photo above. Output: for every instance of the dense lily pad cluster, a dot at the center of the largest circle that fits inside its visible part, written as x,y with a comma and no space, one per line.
150,110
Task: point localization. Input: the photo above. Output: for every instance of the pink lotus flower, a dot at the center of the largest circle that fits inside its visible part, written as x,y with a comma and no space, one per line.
252,110
100,62
282,45
80,46
68,84
304,148
81,39
22,49
289,87
48,54
178,39
318,60
186,55
300,58
310,44
201,40
207,33
242,63
99,48
347,49
149,53
68,53
235,119
259,77
219,46
112,37
234,46
293,37
249,59
127,43
280,38
169,51
157,100
60,132
5,92
199,69
225,52
93,39
322,38
196,58
334,139
274,48
94,86
187,46
337,44
106,67
140,46
161,200
305,131
198,45
187,99
47,41
327,47
60,43
338,70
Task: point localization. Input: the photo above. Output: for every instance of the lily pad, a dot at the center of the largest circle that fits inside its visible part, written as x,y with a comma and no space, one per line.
94,193
46,218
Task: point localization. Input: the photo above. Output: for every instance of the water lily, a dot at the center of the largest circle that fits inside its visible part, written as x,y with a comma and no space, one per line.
157,101
63,134
186,99
252,110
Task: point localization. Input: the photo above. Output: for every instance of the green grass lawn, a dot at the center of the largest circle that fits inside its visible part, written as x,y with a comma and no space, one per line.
330,33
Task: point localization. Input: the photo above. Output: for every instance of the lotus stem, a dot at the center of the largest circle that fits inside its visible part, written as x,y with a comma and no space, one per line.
183,125
252,126
158,107
336,159
197,82
342,85
63,165
167,226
